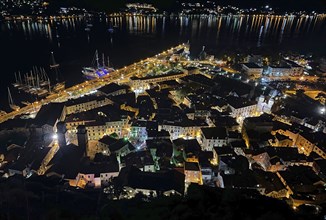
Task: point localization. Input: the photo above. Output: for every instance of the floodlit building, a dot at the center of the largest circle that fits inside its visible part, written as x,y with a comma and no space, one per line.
193,173
120,147
213,137
183,129
241,108
44,124
252,70
86,103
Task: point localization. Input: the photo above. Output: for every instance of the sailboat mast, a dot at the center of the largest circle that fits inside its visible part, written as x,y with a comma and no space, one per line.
32,78
38,81
103,60
26,81
20,78
43,74
97,59
11,102
39,74
108,61
16,78
49,85
46,76
55,66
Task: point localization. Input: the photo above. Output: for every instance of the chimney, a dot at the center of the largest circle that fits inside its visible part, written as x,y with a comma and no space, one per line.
82,138
61,133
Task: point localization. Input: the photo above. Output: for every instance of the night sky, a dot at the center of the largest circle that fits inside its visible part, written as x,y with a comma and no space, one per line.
282,5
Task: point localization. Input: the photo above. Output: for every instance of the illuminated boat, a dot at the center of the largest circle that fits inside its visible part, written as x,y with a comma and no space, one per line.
97,71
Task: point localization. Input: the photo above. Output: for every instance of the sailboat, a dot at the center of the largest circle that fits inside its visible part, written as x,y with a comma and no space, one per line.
56,67
97,70
18,80
11,102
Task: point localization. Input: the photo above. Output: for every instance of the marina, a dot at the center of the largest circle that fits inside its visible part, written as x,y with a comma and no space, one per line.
35,85
35,82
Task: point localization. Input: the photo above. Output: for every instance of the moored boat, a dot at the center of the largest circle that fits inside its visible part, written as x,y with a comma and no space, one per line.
97,70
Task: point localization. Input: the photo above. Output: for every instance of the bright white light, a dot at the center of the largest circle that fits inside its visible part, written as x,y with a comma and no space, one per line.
322,110
55,136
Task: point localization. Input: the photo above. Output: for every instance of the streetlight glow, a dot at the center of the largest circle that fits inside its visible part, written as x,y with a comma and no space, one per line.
54,136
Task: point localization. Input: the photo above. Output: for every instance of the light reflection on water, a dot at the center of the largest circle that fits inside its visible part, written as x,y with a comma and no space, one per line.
236,27
24,44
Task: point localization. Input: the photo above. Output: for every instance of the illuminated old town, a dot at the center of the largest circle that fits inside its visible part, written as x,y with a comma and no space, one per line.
162,110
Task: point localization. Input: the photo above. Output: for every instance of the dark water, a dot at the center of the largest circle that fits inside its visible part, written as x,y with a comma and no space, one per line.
24,44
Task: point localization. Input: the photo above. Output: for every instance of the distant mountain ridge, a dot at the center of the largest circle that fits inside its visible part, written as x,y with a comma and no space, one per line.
173,5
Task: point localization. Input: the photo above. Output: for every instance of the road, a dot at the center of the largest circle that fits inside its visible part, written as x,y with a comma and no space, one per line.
293,78
86,87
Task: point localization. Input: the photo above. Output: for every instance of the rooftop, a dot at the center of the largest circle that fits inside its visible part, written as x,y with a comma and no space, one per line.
214,133
246,180
67,161
192,166
158,134
292,63
238,102
190,146
160,181
268,180
252,65
300,176
98,168
116,144
49,114
163,147
84,99
112,87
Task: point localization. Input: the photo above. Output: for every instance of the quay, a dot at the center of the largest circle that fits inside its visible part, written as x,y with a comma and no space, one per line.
86,87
